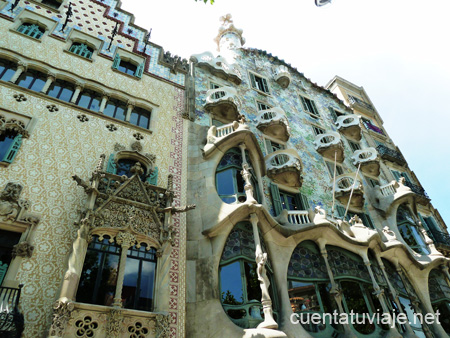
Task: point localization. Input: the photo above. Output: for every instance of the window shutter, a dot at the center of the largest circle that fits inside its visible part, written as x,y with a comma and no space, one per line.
333,114
396,175
367,221
140,70
305,106
340,210
314,108
3,269
116,62
13,149
406,178
111,167
268,146
302,201
153,178
276,200
252,79
265,85
424,223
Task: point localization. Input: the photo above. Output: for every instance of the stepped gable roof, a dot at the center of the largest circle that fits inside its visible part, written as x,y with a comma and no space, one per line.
315,85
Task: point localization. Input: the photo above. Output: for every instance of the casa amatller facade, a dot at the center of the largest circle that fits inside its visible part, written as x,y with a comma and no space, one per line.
145,195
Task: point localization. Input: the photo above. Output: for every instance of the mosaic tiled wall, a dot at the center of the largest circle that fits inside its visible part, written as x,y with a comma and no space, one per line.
317,184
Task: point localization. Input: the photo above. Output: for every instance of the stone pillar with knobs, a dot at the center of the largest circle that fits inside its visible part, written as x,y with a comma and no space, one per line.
261,259
20,69
79,86
105,98
126,240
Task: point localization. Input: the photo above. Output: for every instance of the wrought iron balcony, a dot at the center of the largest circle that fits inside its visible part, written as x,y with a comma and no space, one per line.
422,196
441,240
273,122
369,160
284,166
354,101
222,103
217,66
330,145
343,187
11,320
349,125
282,76
391,154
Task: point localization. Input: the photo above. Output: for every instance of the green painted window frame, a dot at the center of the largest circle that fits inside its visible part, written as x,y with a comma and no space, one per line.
259,83
82,50
32,30
309,106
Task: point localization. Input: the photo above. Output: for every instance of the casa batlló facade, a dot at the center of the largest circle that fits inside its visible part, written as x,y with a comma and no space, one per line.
143,195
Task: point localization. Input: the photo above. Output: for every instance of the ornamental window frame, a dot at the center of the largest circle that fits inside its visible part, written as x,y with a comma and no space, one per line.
123,56
76,36
14,124
259,83
32,18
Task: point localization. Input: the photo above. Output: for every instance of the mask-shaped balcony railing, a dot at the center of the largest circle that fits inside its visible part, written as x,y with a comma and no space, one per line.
222,103
391,154
369,160
282,76
217,66
343,189
330,145
284,166
349,125
11,319
273,122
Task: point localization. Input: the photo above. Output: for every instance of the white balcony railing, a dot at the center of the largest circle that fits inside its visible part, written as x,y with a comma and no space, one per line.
226,129
389,189
298,217
284,166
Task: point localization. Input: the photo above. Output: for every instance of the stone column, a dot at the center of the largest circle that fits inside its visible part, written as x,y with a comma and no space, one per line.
336,291
125,240
261,259
50,79
247,176
408,329
20,69
105,98
78,88
131,105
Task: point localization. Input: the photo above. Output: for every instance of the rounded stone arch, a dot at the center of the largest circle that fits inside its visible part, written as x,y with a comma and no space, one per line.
135,155
5,55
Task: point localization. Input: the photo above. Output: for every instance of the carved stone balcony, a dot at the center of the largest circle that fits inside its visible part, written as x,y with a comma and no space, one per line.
329,144
369,160
222,103
284,166
273,122
217,135
391,155
282,76
349,125
217,66
343,189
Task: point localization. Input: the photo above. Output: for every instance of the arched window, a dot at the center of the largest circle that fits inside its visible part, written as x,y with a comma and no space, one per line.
440,297
31,30
82,50
405,293
62,90
10,142
239,286
408,229
90,100
355,282
124,168
229,181
99,278
116,109
7,70
32,79
128,67
309,289
140,117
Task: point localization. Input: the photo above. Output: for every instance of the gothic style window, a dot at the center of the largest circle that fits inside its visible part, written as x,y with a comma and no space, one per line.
90,100
239,285
7,69
229,181
31,30
7,241
82,50
32,79
62,90
116,109
140,117
309,288
406,294
440,297
128,67
358,293
99,279
408,229
123,167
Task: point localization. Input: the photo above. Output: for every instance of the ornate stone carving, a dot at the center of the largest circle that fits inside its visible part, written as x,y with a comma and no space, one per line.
61,315
52,108
12,208
13,125
162,326
23,249
20,97
125,239
119,147
111,127
175,63
115,321
138,136
83,118
136,146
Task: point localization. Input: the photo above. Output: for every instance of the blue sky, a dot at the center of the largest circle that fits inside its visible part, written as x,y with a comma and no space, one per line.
399,51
